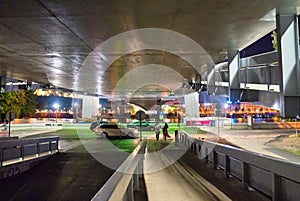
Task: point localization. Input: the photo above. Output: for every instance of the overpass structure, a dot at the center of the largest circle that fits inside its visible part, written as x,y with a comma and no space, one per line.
146,50
132,51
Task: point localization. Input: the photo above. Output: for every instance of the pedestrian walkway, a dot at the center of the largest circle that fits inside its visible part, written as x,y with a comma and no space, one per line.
176,182
183,180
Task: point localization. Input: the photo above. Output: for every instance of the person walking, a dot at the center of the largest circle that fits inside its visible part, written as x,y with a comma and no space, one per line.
157,130
165,132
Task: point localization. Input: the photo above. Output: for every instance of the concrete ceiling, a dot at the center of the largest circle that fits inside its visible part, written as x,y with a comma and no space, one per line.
116,48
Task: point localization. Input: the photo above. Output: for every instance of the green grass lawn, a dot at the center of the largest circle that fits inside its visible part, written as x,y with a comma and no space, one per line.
77,133
74,132
153,145
69,133
193,130
127,145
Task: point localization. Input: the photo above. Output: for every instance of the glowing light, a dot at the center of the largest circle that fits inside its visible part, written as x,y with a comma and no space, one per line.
56,105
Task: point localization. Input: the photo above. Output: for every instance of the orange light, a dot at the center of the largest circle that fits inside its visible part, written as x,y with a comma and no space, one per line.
240,120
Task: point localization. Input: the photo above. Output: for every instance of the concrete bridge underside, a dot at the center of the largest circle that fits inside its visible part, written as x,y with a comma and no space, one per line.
115,49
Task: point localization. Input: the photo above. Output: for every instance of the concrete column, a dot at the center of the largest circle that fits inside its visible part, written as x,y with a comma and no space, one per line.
192,105
123,111
233,72
234,65
288,37
211,80
287,28
89,106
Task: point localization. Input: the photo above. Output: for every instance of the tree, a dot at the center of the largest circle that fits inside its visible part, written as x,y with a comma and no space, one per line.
28,110
274,41
21,103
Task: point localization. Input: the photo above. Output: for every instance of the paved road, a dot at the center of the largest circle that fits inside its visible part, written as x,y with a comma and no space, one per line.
72,174
254,140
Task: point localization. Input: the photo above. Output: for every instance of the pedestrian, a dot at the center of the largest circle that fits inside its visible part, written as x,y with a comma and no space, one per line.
157,130
165,131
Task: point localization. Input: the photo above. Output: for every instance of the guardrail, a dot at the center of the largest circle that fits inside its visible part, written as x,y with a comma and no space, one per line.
277,179
17,150
125,180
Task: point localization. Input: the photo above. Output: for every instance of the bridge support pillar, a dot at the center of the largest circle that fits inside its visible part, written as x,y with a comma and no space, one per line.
288,49
234,64
233,74
89,106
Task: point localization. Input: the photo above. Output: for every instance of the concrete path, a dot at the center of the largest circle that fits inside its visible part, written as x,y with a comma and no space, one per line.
188,179
176,182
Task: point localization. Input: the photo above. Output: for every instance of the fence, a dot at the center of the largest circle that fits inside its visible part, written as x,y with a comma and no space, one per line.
125,180
277,179
18,150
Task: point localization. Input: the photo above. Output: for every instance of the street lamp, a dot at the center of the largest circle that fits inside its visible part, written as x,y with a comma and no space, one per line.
56,106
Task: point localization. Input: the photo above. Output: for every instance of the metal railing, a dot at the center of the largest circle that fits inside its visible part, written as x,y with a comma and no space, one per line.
125,180
275,178
18,150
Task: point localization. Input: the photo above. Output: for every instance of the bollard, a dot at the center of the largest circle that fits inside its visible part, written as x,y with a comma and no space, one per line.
176,135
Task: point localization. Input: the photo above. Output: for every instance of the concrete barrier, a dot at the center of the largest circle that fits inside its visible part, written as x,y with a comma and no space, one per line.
19,155
121,185
278,179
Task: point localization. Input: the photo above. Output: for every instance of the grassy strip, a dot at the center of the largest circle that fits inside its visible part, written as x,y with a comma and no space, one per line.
126,145
154,146
68,133
73,133
194,130
296,152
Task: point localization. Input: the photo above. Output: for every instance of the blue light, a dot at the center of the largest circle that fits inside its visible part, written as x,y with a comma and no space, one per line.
229,101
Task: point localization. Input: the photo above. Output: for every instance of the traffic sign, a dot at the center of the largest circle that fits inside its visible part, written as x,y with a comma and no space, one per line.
140,115
10,116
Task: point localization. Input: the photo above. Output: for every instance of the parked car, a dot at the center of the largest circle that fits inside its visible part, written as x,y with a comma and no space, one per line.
145,126
94,124
113,130
152,123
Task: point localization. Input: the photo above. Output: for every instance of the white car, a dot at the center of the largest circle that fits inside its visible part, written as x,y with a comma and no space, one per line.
112,130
